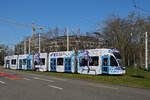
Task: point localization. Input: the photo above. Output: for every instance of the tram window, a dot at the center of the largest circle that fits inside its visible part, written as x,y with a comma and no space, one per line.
105,69
24,61
69,61
51,61
54,62
66,68
42,61
35,62
105,61
65,61
83,62
94,61
7,61
60,61
113,61
13,61
69,68
117,55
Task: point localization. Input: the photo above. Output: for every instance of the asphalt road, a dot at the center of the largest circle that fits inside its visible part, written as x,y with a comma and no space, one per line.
15,85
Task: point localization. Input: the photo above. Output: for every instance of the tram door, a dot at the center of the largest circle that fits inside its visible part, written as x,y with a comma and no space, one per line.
7,63
105,64
53,64
28,64
20,63
67,63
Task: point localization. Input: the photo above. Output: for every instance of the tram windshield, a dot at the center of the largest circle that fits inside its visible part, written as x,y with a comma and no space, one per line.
120,62
117,55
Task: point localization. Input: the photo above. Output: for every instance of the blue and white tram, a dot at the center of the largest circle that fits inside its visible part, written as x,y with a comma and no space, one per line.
14,62
100,61
92,61
40,62
7,61
62,61
25,62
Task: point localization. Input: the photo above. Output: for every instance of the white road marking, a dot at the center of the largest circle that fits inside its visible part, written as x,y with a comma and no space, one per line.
61,79
55,87
42,79
35,75
47,80
2,82
36,78
27,79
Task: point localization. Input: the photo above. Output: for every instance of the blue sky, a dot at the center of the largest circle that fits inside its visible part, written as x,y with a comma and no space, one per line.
83,14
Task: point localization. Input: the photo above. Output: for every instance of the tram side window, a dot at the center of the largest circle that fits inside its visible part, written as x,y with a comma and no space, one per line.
113,61
35,62
83,62
42,61
13,62
94,61
60,61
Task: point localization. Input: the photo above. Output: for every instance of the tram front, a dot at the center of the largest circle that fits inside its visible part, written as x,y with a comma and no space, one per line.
116,64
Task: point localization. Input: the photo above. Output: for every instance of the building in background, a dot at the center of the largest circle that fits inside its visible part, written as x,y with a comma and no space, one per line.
75,43
59,43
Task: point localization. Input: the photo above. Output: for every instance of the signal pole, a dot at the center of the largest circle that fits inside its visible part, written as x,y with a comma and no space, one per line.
29,44
33,38
25,47
33,29
67,39
146,52
39,43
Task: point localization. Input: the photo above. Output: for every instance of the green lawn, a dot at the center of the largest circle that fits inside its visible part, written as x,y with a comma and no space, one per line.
133,77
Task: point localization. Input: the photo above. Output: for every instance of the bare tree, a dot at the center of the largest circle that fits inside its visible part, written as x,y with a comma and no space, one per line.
127,35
